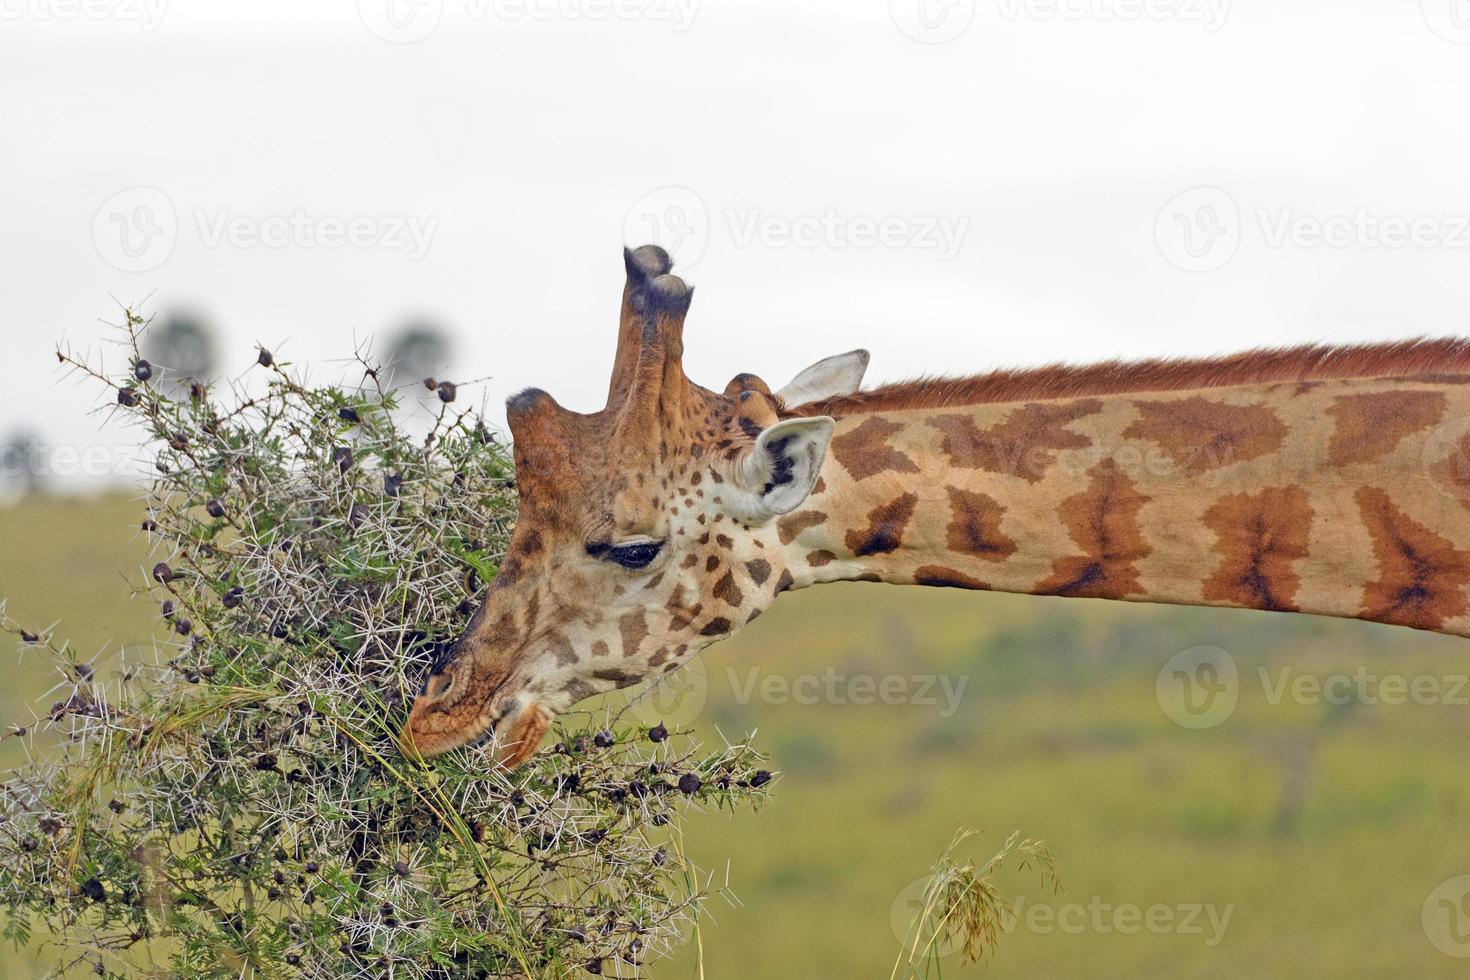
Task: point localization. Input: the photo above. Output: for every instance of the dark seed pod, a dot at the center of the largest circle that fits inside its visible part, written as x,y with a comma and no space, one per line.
143,370
658,733
233,598
266,763
448,391
167,609
393,484
357,516
116,806
593,967
93,890
26,636
178,441
29,844
660,856
84,672
264,358
689,784
162,573
349,415
401,869
343,457
127,397
183,627
603,739
431,383
197,391
49,825
660,819
215,508
312,867
149,525
760,779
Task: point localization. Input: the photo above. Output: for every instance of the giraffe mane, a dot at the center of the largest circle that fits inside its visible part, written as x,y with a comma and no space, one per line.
1440,358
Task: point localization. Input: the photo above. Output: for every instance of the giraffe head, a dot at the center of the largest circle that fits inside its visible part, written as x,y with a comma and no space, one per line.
643,531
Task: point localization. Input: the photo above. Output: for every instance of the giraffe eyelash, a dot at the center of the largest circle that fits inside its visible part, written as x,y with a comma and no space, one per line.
634,555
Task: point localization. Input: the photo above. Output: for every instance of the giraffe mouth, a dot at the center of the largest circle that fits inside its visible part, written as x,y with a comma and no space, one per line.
514,731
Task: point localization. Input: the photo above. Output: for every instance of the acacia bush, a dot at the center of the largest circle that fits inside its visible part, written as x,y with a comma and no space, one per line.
230,803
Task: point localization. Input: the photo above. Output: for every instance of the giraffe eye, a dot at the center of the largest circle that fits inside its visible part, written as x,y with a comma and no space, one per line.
634,555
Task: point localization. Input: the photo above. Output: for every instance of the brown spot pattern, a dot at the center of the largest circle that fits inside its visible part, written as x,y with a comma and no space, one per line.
727,591
1025,444
886,525
817,559
974,528
715,627
946,578
790,526
562,650
759,570
1261,537
633,627
1200,435
865,452
1372,425
1103,522
1421,575
784,582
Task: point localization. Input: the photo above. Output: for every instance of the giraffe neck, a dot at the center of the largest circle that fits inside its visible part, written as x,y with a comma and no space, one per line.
1343,498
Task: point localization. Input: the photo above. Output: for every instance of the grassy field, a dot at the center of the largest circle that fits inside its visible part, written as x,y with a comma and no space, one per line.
1297,837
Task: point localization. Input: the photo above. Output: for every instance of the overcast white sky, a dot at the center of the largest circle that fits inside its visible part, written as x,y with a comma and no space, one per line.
954,184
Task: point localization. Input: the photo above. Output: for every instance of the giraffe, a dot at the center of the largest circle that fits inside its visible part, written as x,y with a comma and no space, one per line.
1333,481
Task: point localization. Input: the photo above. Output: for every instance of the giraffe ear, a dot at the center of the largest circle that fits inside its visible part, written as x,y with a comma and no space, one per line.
779,471
840,374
